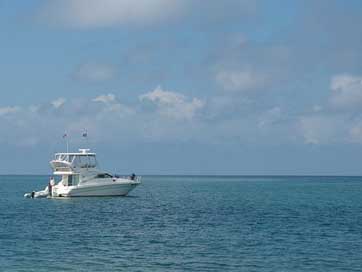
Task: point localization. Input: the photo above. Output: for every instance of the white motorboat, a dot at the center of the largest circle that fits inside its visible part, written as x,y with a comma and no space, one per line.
80,176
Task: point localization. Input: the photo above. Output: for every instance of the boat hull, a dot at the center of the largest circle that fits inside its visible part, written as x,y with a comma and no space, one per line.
110,189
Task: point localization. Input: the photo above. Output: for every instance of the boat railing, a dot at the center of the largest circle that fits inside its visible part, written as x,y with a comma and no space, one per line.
136,179
63,169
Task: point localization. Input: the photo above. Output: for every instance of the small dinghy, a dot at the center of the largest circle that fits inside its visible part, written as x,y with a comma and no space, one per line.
39,194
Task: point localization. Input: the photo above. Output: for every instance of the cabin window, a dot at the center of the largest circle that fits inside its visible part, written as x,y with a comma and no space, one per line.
71,180
103,176
75,179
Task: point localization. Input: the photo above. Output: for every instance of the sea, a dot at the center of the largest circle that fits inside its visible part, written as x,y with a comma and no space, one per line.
187,223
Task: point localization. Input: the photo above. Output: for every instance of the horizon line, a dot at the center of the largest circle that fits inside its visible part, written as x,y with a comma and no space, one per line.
215,175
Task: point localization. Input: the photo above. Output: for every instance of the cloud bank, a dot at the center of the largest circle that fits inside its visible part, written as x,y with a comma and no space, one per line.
173,104
340,119
157,115
346,92
106,13
91,14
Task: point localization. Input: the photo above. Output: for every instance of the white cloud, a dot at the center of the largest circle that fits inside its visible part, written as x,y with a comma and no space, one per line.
58,102
106,98
86,14
113,105
95,13
346,92
242,80
8,110
105,117
162,97
323,128
95,72
339,120
172,104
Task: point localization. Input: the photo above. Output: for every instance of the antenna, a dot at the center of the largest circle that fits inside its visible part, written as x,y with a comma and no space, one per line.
85,135
65,136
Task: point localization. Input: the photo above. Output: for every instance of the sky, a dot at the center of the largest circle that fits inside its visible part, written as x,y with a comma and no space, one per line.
233,87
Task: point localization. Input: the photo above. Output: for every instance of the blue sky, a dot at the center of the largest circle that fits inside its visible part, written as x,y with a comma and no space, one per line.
183,86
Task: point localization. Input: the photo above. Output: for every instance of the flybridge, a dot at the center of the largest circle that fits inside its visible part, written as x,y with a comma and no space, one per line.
70,161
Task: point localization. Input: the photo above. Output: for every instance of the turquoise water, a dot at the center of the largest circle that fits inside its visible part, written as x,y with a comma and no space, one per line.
187,224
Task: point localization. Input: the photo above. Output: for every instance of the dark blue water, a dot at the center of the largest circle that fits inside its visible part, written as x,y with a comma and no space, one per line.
187,224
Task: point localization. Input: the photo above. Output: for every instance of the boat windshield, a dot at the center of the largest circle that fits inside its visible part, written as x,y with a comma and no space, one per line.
64,157
78,160
61,157
84,161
